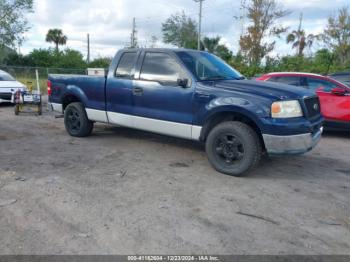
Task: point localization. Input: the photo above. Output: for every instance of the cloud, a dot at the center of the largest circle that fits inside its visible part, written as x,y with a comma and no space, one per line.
109,21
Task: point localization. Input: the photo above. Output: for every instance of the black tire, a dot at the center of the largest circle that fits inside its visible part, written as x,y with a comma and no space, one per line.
76,122
233,148
17,110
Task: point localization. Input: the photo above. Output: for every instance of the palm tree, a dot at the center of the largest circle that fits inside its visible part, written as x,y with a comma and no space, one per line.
300,40
57,37
211,44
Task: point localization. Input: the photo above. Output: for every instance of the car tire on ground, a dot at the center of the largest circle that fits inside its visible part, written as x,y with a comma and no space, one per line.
233,148
76,121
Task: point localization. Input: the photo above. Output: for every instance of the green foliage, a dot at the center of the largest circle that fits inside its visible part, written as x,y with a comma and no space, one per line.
101,62
57,37
299,40
263,16
70,58
13,22
213,46
180,31
337,36
67,58
42,57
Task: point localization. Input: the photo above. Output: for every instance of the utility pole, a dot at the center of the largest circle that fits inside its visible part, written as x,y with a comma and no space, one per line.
88,48
133,41
199,22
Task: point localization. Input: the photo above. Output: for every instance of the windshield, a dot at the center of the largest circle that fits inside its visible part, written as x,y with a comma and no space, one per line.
6,77
206,66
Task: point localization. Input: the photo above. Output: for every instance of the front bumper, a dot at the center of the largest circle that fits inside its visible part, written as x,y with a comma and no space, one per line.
294,144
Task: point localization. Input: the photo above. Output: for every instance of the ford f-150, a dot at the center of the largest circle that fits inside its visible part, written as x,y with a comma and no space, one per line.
193,95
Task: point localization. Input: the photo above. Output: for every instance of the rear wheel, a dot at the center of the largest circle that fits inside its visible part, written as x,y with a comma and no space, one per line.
233,148
76,121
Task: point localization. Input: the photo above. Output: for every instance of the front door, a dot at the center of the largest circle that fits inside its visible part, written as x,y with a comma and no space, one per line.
119,91
161,105
335,107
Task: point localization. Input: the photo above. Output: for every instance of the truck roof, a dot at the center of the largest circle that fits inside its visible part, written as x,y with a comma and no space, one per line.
162,49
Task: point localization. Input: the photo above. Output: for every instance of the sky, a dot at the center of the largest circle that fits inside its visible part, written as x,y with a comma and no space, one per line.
109,22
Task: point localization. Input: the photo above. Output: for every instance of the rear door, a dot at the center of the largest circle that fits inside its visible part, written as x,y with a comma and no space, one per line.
160,104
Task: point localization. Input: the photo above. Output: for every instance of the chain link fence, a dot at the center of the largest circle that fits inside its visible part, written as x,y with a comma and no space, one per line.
27,75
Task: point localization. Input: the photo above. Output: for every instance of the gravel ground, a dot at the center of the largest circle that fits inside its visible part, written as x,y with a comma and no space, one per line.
123,191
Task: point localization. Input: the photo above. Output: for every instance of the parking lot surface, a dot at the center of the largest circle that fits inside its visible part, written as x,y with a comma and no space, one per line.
123,191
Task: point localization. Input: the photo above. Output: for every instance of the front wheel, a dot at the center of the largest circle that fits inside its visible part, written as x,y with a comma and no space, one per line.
233,148
76,121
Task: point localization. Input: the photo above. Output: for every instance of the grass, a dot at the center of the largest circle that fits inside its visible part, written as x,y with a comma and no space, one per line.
42,83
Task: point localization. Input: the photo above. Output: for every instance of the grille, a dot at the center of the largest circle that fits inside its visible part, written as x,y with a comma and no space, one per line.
5,96
313,106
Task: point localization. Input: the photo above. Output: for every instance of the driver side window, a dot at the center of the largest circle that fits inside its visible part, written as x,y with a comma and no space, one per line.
160,67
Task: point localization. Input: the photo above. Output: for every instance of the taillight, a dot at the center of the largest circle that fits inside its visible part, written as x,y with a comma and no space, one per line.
49,90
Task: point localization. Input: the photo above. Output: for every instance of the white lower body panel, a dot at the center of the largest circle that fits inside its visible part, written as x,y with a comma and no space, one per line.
97,115
57,107
147,124
155,125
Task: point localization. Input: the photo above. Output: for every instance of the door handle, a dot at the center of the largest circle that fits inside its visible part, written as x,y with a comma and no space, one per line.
203,95
137,91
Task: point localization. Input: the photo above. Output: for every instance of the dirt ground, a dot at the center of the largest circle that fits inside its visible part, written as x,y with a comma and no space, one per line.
123,191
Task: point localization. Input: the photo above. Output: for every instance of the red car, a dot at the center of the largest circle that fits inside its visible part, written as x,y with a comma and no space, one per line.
334,95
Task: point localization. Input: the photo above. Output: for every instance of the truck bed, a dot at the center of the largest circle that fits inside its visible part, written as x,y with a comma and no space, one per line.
90,88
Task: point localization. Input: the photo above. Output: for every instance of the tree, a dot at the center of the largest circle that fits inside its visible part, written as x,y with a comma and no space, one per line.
13,22
213,45
101,62
180,31
67,58
70,58
263,15
336,35
57,37
42,57
300,40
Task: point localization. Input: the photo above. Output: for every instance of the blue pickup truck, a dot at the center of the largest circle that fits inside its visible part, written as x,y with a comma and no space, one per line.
192,95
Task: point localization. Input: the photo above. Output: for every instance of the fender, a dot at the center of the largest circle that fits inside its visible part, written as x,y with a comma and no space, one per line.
254,112
73,90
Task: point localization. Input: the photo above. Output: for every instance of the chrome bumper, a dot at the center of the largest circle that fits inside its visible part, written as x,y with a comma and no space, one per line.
296,144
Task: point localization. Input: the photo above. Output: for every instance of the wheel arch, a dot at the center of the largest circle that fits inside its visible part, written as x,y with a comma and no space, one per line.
230,115
73,94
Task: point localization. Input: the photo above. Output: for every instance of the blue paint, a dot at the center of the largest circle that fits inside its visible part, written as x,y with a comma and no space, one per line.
195,104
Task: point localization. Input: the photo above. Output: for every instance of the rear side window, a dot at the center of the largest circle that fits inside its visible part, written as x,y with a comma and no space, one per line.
160,67
315,84
126,66
288,80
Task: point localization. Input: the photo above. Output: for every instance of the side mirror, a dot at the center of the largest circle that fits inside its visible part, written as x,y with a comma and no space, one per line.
182,82
338,91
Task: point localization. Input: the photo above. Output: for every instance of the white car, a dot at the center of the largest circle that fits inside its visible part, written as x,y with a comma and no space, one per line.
8,87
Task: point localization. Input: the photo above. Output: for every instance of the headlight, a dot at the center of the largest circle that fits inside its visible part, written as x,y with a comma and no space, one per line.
286,109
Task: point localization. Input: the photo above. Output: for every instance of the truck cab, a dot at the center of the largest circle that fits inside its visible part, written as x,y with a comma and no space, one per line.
192,95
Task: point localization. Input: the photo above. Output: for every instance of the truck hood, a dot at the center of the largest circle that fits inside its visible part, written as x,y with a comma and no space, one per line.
275,91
